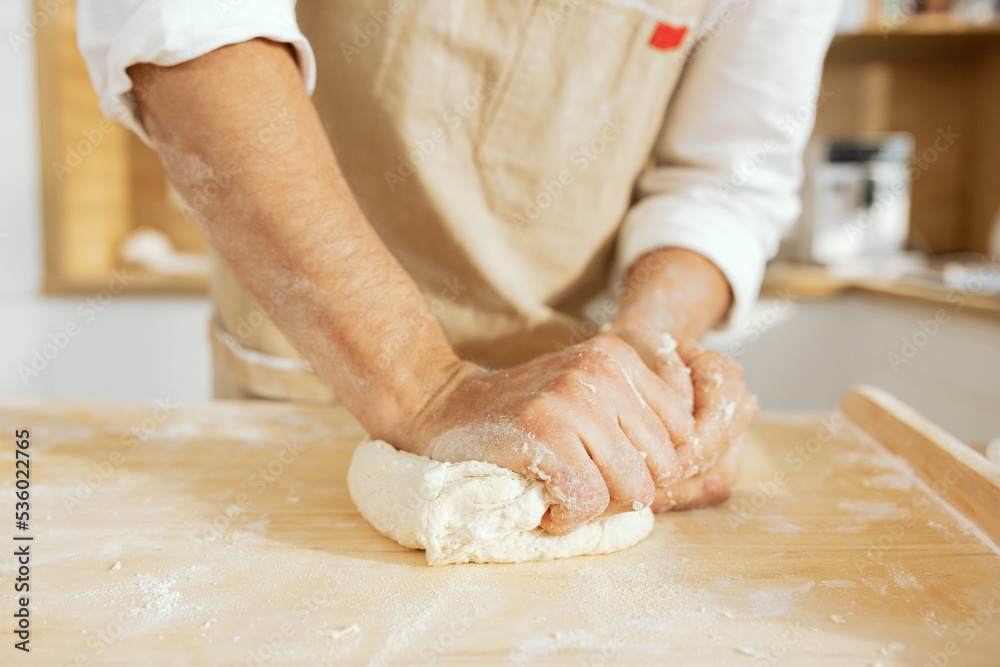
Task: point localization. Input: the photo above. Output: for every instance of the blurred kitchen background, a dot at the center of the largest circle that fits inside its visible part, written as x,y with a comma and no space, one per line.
891,277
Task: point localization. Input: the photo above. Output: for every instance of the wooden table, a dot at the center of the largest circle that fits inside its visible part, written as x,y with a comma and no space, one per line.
223,534
805,281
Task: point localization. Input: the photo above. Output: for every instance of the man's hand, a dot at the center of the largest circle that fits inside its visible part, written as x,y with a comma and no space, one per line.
580,420
672,297
592,422
713,390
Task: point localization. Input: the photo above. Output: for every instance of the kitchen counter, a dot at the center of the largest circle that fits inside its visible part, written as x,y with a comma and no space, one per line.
817,282
223,534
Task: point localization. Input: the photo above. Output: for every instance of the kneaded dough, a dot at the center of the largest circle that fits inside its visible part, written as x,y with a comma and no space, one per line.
472,511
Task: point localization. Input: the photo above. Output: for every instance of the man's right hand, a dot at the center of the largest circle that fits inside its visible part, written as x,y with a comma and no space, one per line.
591,421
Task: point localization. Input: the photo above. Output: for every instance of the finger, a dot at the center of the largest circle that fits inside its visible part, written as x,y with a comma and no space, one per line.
646,388
718,389
630,486
746,412
646,432
707,489
574,482
665,403
669,367
649,436
659,353
716,379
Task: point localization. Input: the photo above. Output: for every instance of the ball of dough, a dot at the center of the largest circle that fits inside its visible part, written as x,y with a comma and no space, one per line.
472,511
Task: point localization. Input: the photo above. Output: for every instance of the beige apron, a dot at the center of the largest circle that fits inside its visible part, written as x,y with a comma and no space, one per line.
494,147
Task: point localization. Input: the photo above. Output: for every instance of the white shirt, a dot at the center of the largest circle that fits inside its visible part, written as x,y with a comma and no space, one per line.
728,161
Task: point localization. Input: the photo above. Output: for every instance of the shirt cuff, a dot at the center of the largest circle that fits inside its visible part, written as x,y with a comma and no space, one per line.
659,222
181,30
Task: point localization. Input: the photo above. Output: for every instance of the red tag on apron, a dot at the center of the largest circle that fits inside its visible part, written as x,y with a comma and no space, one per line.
668,37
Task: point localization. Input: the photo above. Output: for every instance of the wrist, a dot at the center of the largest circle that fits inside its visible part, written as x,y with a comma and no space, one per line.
674,290
408,422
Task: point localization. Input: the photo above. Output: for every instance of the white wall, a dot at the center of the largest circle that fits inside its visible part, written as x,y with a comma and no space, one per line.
20,190
135,348
122,349
803,355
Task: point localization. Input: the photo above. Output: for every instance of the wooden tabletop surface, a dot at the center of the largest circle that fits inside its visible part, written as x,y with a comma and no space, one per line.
223,534
819,282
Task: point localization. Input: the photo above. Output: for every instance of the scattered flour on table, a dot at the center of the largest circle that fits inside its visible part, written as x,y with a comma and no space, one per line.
869,510
338,633
779,525
905,579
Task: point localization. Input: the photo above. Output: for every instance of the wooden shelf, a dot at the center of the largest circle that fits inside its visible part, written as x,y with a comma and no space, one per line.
806,281
929,75
137,281
927,36
936,78
99,181
925,25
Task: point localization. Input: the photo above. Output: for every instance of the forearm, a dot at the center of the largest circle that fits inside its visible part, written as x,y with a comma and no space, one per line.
674,290
242,143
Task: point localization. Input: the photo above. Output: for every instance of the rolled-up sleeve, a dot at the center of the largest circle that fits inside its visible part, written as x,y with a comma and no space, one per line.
728,162
116,34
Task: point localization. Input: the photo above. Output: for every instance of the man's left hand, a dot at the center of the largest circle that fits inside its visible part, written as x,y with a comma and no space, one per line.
711,386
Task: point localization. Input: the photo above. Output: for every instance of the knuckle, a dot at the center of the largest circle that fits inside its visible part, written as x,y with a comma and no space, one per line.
593,499
610,347
594,359
606,342
583,495
718,362
645,493
537,411
633,483
716,491
663,472
576,386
